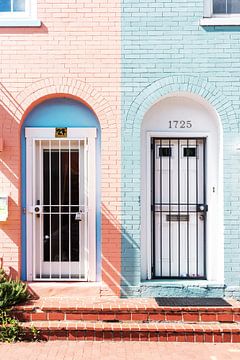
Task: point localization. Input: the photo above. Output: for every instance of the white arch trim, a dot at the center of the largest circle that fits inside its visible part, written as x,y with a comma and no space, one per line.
205,123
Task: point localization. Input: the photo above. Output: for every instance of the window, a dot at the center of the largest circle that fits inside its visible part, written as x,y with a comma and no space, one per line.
226,7
165,151
14,8
190,152
18,13
221,12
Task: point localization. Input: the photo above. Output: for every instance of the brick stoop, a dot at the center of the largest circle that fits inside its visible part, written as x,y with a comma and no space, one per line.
86,330
129,319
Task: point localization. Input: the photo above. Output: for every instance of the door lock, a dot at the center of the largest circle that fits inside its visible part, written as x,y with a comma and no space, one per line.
78,216
202,208
37,209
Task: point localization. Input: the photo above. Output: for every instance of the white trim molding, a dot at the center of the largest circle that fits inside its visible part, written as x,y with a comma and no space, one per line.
49,133
207,8
154,125
27,18
220,21
88,135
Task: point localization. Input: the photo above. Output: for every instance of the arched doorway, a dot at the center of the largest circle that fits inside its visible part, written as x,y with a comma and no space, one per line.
60,144
181,190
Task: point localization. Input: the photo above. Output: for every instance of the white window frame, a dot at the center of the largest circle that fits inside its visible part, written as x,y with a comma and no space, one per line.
21,18
210,19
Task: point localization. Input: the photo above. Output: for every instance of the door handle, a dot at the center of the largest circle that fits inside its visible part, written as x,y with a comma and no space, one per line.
79,215
202,209
37,208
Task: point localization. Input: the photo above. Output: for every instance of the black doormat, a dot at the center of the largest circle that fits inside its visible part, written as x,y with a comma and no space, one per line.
179,301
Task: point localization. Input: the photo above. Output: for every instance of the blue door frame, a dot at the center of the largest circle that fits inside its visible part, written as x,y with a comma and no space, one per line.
60,112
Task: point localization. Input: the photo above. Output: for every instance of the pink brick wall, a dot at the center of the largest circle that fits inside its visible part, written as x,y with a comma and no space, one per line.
76,51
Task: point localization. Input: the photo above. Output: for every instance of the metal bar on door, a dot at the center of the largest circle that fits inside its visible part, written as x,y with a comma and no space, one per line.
179,201
187,207
153,206
197,157
34,203
60,208
50,207
169,209
86,190
204,201
161,217
176,211
179,211
79,209
173,203
156,223
40,173
70,209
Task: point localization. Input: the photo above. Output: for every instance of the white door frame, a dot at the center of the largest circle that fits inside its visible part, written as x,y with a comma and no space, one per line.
90,134
214,235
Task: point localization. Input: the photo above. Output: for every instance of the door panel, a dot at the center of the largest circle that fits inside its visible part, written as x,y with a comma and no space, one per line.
178,207
61,204
59,224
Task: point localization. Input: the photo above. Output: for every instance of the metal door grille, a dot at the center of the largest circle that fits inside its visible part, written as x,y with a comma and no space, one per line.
60,209
179,208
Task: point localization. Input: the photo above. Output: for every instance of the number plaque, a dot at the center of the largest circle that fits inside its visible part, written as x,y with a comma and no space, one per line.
60,132
182,124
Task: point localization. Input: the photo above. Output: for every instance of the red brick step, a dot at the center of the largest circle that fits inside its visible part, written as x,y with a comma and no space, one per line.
131,331
123,313
129,319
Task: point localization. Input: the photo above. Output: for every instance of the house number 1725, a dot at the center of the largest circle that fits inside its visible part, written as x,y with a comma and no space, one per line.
179,124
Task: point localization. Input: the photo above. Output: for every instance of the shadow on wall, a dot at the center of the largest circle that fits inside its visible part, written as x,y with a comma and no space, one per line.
24,30
10,232
10,171
221,28
111,251
131,264
112,268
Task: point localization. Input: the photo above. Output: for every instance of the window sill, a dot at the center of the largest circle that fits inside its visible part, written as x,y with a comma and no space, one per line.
218,21
20,23
182,283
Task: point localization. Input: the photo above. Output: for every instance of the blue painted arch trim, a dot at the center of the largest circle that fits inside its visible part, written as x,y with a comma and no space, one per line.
60,112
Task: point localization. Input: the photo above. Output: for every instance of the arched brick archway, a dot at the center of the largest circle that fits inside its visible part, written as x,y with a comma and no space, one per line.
184,83
69,87
17,107
131,156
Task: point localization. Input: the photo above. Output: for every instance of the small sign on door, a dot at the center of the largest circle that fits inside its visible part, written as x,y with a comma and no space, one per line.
60,132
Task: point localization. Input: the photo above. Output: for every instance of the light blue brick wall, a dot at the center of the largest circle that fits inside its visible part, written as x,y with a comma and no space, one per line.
164,50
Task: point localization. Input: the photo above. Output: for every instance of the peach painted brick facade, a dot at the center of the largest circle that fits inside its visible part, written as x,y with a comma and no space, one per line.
76,52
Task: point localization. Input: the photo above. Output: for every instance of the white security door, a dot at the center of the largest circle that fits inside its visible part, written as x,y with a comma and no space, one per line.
61,203
178,208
